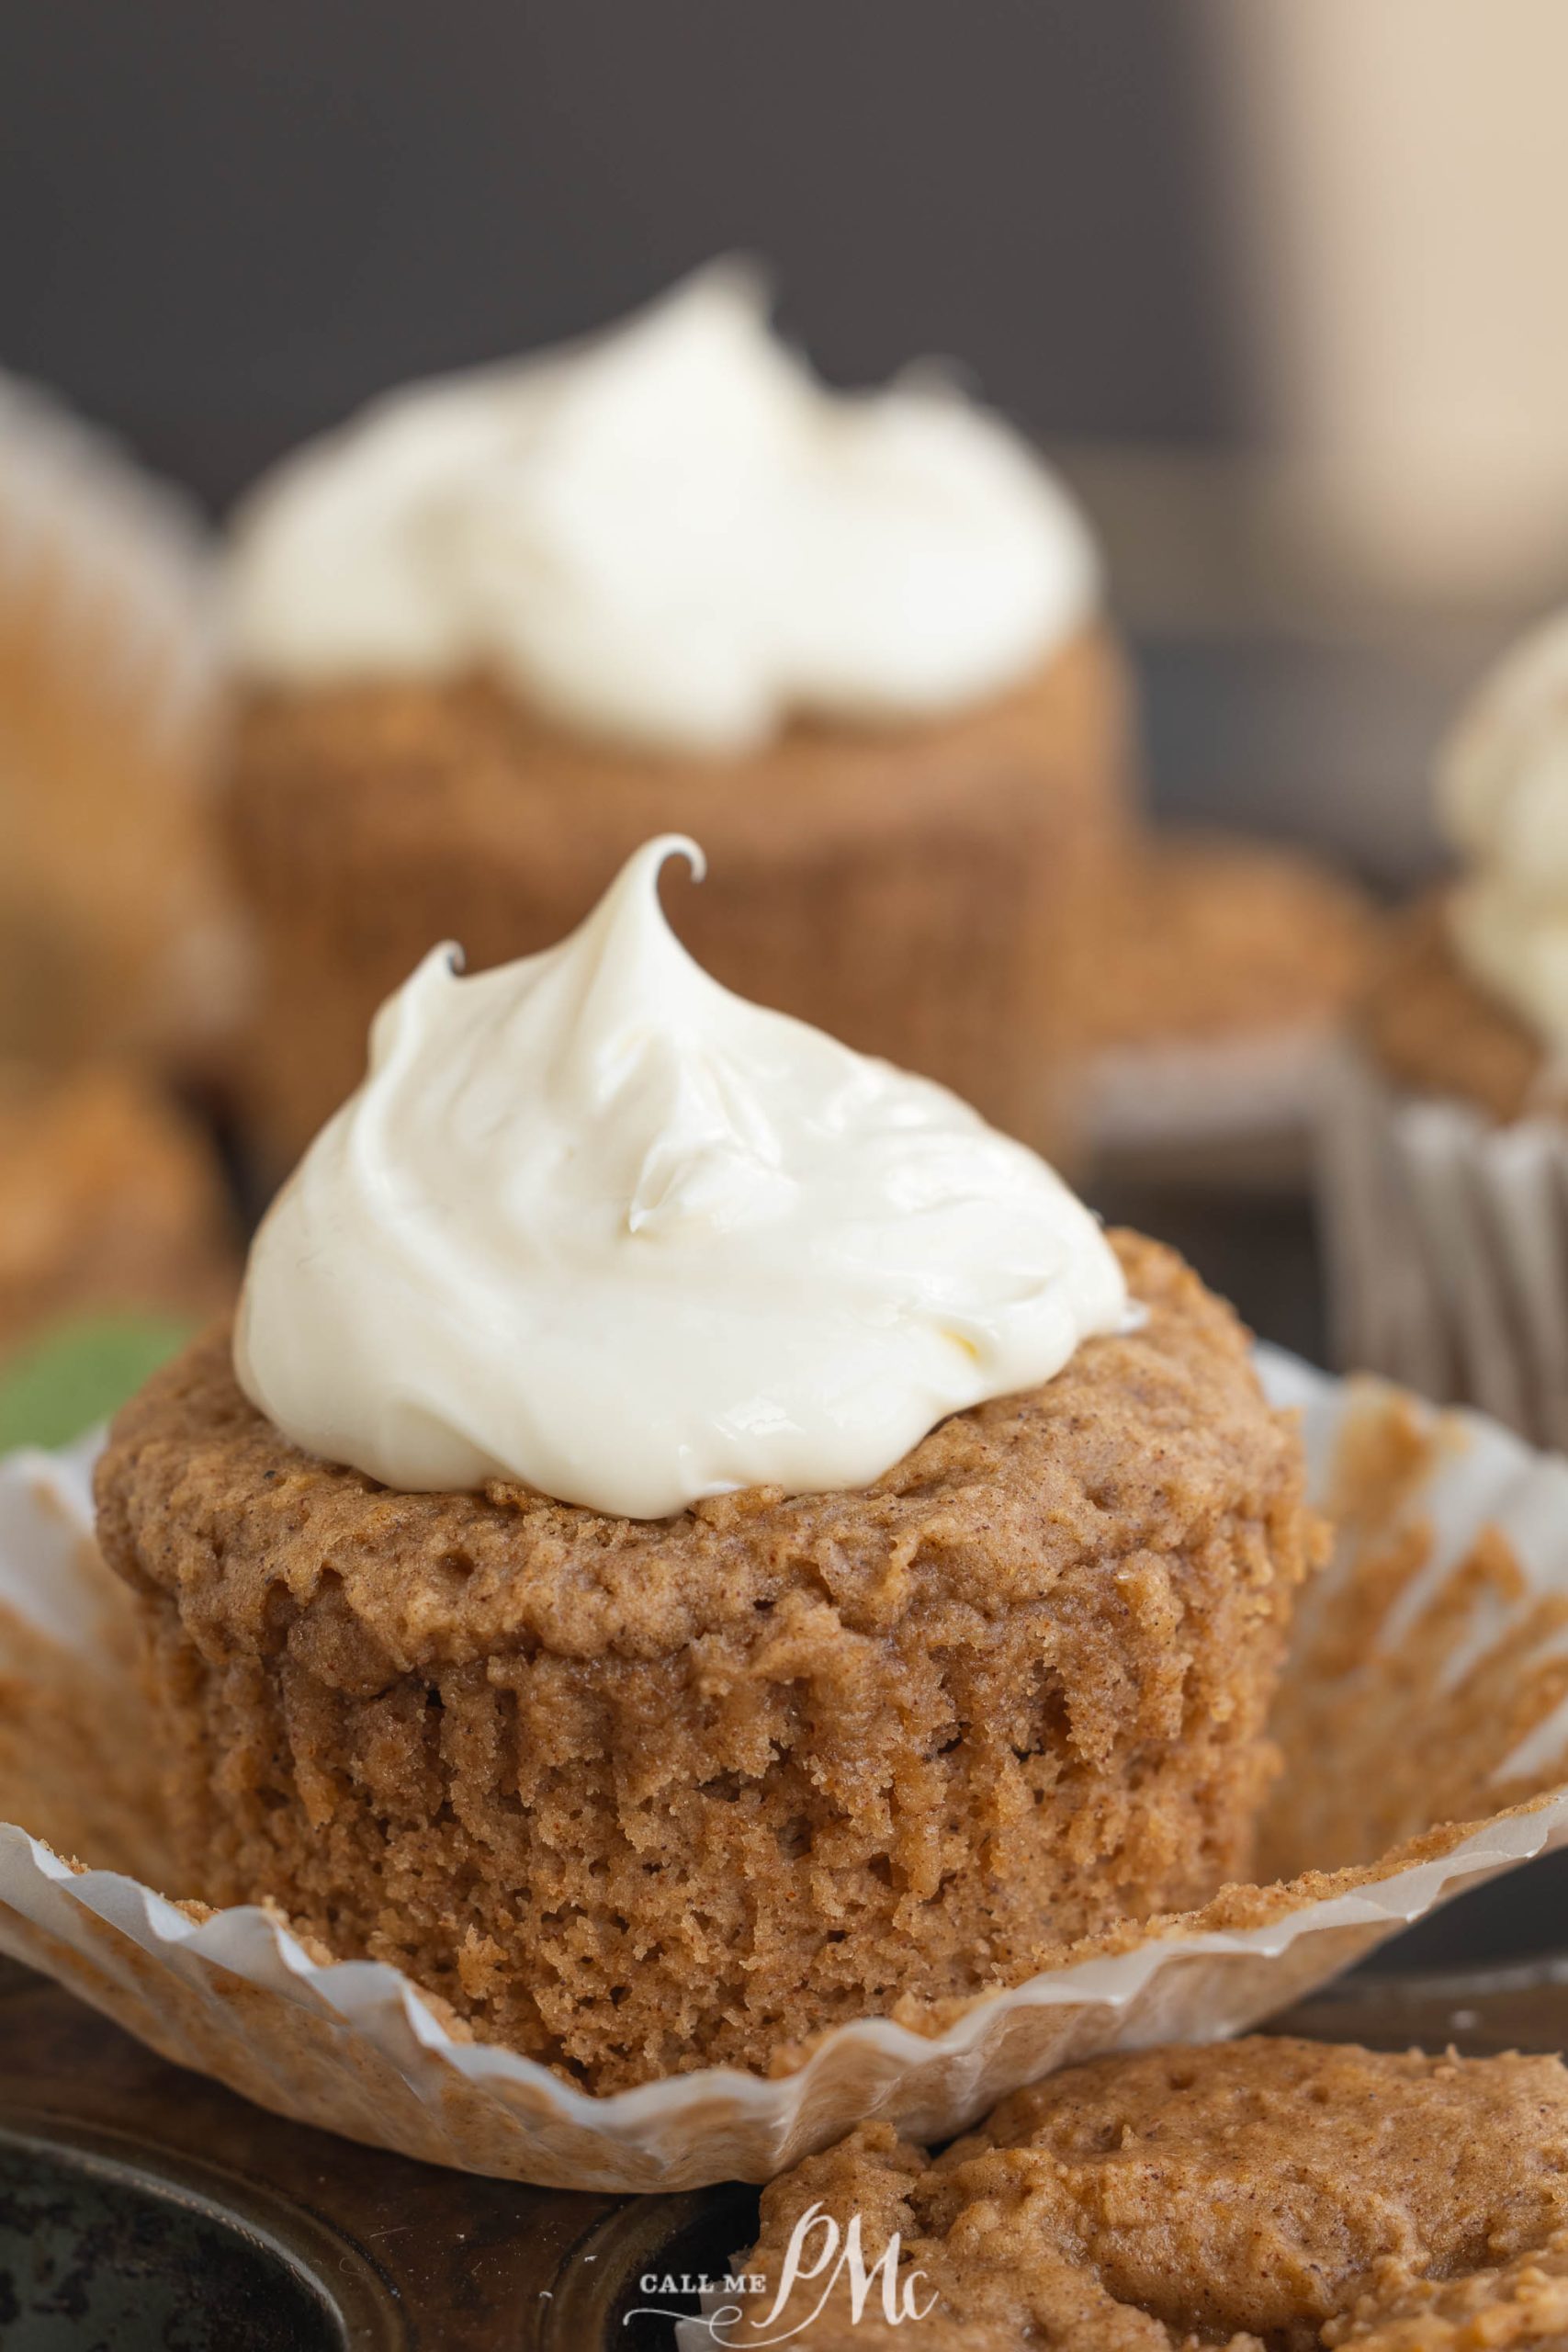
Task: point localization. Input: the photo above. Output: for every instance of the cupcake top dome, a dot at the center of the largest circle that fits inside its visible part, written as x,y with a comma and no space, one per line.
1503,795
594,1224
672,534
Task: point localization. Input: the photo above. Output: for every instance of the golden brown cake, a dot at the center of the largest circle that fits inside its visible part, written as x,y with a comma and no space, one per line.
108,1200
927,892
636,1796
1263,2196
1210,939
1431,1026
116,929
495,631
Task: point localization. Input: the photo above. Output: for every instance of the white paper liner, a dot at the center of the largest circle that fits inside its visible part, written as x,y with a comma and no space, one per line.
108,601
1446,1240
354,2047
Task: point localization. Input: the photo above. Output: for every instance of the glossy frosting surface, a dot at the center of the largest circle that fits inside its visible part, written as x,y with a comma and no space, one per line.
595,1224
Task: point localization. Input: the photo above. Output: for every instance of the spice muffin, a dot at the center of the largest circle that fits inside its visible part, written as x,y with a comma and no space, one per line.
1267,2192
1435,1028
494,634
116,930
110,1201
1218,987
1211,937
1446,1143
778,1580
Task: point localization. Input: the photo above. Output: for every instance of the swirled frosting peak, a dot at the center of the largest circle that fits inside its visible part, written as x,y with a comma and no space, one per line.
592,1223
672,534
1503,788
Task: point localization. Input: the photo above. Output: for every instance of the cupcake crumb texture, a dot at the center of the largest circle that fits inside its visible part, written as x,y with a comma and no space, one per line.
1267,2195
636,1797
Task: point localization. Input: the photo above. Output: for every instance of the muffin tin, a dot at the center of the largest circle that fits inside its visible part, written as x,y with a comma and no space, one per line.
144,2207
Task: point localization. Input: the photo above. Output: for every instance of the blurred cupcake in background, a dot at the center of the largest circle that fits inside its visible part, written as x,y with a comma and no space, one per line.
499,629
1445,1158
115,933
115,1242
1213,1006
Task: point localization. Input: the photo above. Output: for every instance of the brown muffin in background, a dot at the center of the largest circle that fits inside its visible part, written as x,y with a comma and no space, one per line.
117,932
1211,938
110,1200
640,1796
1430,1025
927,892
1265,2192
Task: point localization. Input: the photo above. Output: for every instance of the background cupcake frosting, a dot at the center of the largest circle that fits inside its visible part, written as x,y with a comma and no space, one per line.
670,534
1503,792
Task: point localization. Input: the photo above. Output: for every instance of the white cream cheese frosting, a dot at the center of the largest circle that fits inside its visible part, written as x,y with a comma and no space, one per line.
672,534
593,1222
1502,789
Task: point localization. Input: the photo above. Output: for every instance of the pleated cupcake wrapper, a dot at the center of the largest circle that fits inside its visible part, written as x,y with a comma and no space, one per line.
1447,1238
1431,1672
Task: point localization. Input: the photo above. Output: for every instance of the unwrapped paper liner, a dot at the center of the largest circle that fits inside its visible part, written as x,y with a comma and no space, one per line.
1447,1239
1427,1686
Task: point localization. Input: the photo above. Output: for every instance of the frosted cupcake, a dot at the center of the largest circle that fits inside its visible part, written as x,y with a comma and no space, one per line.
696,1536
495,631
1446,1147
1214,1005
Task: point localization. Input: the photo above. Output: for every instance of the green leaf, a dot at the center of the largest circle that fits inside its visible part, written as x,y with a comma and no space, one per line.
79,1372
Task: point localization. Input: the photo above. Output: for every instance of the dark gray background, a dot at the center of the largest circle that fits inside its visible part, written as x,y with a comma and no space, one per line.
221,226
